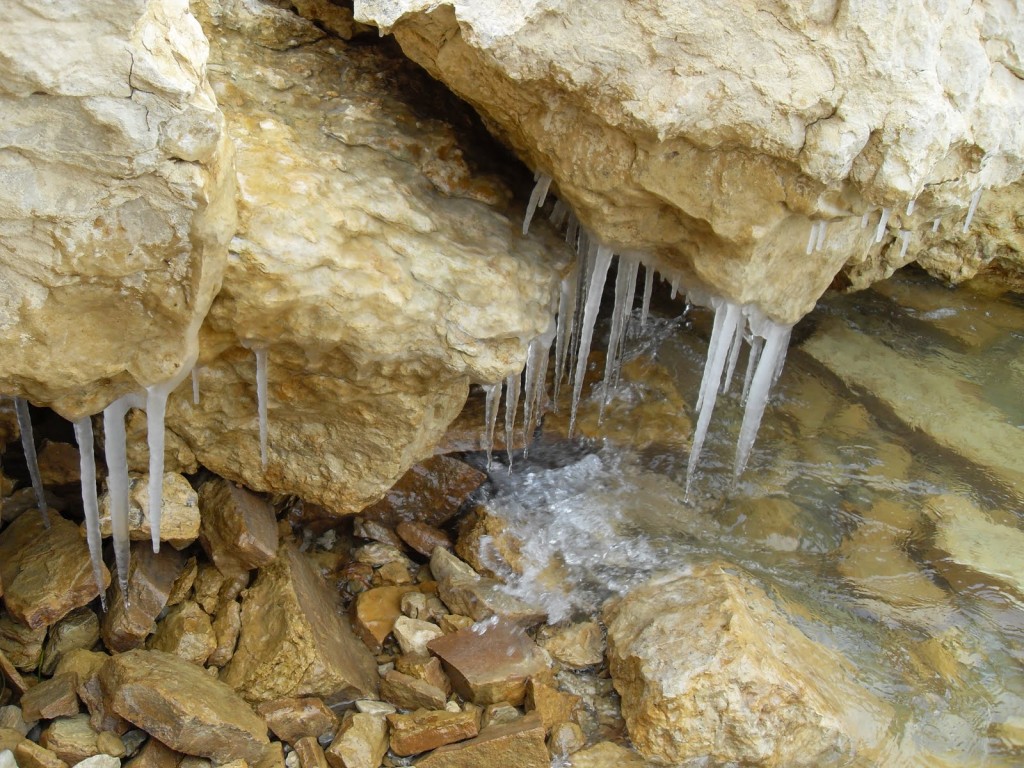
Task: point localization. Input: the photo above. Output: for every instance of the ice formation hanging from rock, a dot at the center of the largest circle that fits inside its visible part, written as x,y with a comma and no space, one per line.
28,444
261,399
116,454
195,385
90,502
975,198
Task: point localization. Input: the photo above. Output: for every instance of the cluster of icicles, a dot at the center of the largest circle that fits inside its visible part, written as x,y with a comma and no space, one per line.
572,332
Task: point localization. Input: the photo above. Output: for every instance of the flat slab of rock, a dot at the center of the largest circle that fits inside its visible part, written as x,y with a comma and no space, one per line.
179,511
708,667
56,697
293,719
519,744
430,492
46,573
422,730
151,576
490,662
408,692
294,641
239,529
183,706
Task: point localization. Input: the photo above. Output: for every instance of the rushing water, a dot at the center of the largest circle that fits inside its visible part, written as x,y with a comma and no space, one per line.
834,500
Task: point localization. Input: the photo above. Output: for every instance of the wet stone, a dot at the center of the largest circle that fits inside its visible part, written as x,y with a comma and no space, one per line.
519,744
465,592
407,692
239,529
426,668
295,718
577,646
376,531
551,705
423,730
413,635
394,573
361,742
79,629
490,662
422,537
375,611
431,492
485,542
150,579
56,697
187,632
565,739
496,714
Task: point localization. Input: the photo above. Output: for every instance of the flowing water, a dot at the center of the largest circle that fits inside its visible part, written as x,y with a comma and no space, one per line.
835,515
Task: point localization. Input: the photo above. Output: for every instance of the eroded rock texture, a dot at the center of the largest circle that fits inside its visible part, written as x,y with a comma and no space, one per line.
712,136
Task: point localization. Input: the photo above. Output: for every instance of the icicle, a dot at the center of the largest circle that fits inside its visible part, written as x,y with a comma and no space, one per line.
156,409
905,236
90,503
564,328
261,399
864,219
970,211
559,214
572,229
645,308
511,406
536,379
598,275
755,352
117,481
625,275
537,197
675,288
28,444
195,385
935,224
772,358
734,356
882,221
493,396
722,333
910,207
822,229
812,238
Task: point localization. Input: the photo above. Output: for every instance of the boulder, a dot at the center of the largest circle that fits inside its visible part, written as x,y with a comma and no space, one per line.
708,667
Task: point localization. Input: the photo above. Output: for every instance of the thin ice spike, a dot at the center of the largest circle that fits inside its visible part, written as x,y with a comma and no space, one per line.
195,385
511,406
492,400
822,233
599,274
114,446
564,329
905,236
90,502
645,308
734,356
532,363
537,197
772,358
975,198
28,444
261,399
156,409
883,220
756,344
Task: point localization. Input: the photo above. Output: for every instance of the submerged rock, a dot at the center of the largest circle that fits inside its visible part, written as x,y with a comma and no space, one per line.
709,668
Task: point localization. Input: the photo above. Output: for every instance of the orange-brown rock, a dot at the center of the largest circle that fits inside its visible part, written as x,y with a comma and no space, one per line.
431,492
361,742
187,632
408,692
577,646
294,642
56,697
519,744
79,629
552,705
426,668
156,754
423,729
311,754
239,529
227,624
292,719
183,706
59,464
375,611
72,739
150,580
85,665
485,538
11,674
182,586
490,663
422,537
31,755
10,739
46,573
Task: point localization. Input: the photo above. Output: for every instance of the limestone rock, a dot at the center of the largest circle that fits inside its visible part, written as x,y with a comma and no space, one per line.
294,642
467,593
422,537
7,759
813,114
239,530
746,686
407,692
72,739
56,697
46,573
431,492
178,457
150,580
519,744
130,195
179,511
186,632
378,298
183,706
99,761
361,742
605,754
79,629
30,755
422,730
22,645
227,625
577,646
11,674
155,754
490,662
293,719
413,635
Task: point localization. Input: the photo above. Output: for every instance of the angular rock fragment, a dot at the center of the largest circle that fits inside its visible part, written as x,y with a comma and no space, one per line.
151,576
490,662
292,719
551,705
156,754
46,572
187,632
59,464
22,645
31,755
485,538
56,697
79,629
565,738
294,642
311,754
239,529
426,668
430,492
422,537
12,717
407,692
422,730
519,743
227,625
375,611
183,706
466,592
606,754
413,635
577,646
72,739
361,742
11,675
179,511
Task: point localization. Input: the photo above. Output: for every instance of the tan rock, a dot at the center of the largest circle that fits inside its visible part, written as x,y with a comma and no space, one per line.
453,622
565,739
159,693
72,739
375,531
423,605
431,492
187,632
607,755
551,705
111,744
519,744
293,719
486,543
182,587
79,629
407,692
22,645
207,586
413,635
747,686
422,730
11,674
311,754
10,739
156,754
465,592
426,668
179,511
59,464
150,580
86,665
294,642
577,646
239,530
375,611
227,625
12,718
178,457
46,573
393,574
361,742
31,755
56,697
490,663
422,537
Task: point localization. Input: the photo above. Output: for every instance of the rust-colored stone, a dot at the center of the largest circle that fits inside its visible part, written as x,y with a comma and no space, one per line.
518,744
361,742
407,692
151,577
292,719
239,529
431,492
552,705
422,537
422,730
375,611
51,698
426,668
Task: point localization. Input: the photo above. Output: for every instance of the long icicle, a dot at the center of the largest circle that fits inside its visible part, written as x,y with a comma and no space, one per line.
734,356
645,308
627,314
975,198
156,410
493,396
90,502
718,348
532,364
261,399
755,352
540,351
511,406
599,274
28,444
195,385
540,192
114,447
565,328
768,367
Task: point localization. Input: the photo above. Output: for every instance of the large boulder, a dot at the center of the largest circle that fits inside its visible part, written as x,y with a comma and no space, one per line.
117,202
712,136
708,667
